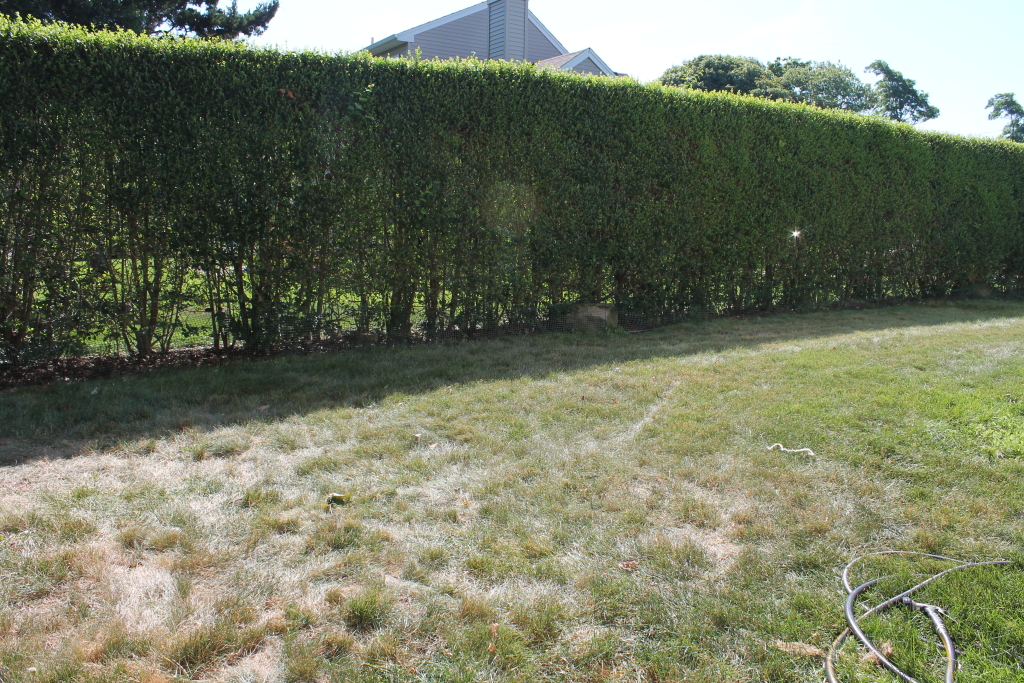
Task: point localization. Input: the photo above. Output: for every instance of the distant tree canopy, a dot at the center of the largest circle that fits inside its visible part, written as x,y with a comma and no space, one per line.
824,84
740,75
897,98
1005,105
200,18
829,85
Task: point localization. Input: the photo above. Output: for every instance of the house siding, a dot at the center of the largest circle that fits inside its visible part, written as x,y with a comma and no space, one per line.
493,29
507,29
538,47
587,66
515,29
496,33
461,38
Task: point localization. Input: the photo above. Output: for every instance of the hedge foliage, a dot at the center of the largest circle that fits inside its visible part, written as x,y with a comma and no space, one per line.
143,180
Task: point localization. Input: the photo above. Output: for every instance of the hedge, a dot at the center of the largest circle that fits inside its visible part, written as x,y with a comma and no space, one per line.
296,194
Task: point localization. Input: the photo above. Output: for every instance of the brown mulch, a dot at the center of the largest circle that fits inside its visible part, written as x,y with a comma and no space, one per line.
102,367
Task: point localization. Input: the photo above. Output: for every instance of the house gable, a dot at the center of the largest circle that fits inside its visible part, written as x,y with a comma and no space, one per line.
439,36
493,29
584,61
587,66
540,44
464,37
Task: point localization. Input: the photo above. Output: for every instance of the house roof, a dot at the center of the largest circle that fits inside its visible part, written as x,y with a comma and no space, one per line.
568,61
396,40
559,61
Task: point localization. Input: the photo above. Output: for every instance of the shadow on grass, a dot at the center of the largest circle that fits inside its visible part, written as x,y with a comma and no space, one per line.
68,419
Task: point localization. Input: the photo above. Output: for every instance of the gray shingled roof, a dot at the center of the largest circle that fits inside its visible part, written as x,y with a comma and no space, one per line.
559,61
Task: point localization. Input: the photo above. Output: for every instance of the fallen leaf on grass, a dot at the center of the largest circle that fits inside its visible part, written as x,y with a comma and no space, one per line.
629,566
885,647
263,408
491,646
799,649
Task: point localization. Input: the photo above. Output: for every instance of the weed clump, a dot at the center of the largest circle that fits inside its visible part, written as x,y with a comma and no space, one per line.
132,538
323,463
336,534
540,621
43,574
279,524
255,496
475,610
341,534
367,610
170,539
302,664
221,447
299,618
336,644
197,649
699,513
115,642
434,557
59,524
674,561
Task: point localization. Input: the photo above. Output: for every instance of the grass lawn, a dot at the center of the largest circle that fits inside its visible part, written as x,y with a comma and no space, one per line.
556,508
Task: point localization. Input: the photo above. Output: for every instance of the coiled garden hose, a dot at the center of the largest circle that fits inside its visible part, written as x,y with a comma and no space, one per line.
931,611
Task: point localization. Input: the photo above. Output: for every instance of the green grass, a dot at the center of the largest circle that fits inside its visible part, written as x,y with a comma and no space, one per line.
556,508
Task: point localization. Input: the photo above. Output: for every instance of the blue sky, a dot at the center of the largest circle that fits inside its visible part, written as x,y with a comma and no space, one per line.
960,53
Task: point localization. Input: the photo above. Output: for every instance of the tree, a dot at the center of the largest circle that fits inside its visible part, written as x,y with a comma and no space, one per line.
1005,105
200,18
739,75
897,98
822,84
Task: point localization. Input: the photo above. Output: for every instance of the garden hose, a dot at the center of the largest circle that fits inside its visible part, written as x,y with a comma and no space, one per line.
931,611
934,614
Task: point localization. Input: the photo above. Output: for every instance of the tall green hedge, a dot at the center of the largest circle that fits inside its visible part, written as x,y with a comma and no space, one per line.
286,194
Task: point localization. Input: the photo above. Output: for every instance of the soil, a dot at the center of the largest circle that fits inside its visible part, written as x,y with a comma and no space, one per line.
101,367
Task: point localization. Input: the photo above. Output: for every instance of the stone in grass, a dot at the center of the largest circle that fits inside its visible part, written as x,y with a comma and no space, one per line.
338,499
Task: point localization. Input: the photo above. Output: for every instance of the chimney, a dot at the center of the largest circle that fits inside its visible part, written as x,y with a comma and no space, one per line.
507,37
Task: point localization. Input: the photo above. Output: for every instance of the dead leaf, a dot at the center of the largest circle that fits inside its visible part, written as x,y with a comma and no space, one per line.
432,446
885,647
491,647
799,649
263,408
629,566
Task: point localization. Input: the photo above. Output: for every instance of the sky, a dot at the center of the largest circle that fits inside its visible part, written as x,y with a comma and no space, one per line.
960,52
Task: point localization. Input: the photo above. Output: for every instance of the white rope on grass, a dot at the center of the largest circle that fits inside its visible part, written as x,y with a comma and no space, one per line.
791,450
